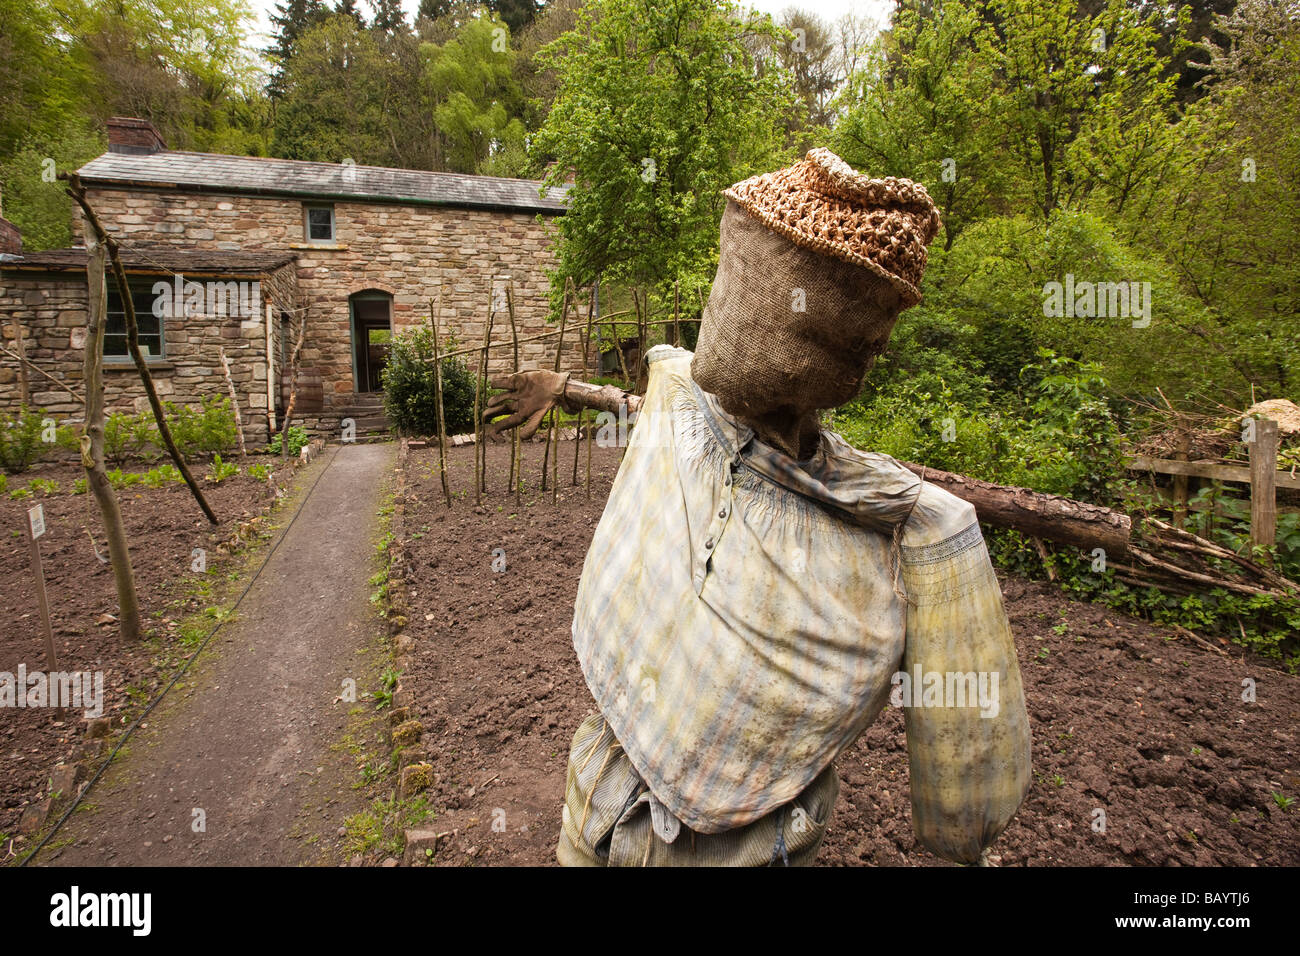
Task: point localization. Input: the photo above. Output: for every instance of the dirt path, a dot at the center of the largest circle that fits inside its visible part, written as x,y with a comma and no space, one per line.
251,746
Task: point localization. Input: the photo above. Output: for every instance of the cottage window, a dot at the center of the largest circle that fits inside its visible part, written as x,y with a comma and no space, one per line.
319,221
150,326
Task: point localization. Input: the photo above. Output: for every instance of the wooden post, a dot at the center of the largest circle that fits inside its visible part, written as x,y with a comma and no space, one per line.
1263,485
78,193
234,400
437,387
582,412
36,528
480,459
591,308
552,439
92,441
677,312
24,384
1180,482
516,449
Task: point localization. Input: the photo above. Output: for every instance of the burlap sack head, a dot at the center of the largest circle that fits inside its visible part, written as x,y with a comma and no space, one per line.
816,263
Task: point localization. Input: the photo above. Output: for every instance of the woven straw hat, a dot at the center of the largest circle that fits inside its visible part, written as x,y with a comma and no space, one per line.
821,204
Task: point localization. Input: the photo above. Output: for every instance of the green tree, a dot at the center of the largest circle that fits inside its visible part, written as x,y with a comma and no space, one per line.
477,101
660,107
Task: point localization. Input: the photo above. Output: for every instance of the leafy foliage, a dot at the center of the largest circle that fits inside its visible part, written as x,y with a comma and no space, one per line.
409,386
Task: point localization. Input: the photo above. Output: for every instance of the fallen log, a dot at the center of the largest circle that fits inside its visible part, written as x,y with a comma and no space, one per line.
1156,552
1056,518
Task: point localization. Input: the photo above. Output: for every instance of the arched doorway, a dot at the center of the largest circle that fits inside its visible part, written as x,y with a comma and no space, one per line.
372,330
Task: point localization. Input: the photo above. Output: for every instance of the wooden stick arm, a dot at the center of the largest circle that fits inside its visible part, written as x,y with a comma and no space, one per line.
603,398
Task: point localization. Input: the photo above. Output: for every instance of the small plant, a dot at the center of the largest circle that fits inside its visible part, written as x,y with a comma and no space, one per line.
221,470
261,472
1061,628
124,479
18,494
80,486
21,444
387,684
4,484
298,439
1284,802
46,486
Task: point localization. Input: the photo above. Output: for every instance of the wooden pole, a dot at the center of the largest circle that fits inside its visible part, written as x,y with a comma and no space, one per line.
36,528
1180,483
582,412
552,438
24,384
591,308
92,443
1263,486
78,193
437,387
293,388
516,450
234,400
677,312
480,459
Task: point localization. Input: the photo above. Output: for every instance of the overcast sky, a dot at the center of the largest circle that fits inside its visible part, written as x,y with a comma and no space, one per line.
830,10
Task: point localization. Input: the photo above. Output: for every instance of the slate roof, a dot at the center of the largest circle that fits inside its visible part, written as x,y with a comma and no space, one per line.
214,172
159,259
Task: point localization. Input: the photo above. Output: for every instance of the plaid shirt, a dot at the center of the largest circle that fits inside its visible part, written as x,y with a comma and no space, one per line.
741,615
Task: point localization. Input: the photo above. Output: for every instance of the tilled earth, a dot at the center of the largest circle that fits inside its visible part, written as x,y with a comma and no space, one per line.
1144,751
164,526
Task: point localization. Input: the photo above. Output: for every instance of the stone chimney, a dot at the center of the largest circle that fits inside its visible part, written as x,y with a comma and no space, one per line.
11,240
127,134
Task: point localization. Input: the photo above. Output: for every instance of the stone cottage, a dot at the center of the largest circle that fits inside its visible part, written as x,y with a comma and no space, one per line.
231,254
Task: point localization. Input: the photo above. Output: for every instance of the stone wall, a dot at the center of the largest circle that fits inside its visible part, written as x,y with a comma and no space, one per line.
407,251
52,308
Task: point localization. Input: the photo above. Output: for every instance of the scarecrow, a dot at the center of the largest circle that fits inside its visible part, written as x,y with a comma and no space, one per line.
758,590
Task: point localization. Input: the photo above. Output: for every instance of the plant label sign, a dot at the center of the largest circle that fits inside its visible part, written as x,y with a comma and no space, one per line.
36,518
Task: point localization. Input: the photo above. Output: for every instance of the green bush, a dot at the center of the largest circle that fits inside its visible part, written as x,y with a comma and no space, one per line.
298,440
208,429
127,436
21,444
410,399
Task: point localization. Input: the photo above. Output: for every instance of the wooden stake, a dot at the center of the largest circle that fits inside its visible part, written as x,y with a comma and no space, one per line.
36,528
293,388
92,442
553,439
582,412
591,307
479,430
1263,486
234,400
78,193
437,387
24,384
516,449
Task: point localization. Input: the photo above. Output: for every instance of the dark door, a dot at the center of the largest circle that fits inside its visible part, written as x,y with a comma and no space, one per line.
372,329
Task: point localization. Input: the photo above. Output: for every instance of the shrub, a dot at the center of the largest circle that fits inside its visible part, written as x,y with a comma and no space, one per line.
298,439
409,389
208,429
127,436
21,444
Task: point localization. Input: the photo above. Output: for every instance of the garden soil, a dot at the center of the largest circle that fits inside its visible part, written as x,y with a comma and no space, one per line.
1144,752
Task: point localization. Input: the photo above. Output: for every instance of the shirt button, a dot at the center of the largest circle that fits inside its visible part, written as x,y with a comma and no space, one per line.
708,544
726,482
722,513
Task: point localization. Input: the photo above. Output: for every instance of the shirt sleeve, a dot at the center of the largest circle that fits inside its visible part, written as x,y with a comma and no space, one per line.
968,737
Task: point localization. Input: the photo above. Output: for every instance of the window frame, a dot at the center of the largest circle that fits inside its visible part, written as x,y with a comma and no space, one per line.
307,210
139,287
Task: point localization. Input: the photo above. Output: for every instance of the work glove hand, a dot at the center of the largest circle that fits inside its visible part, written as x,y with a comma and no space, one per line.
528,396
